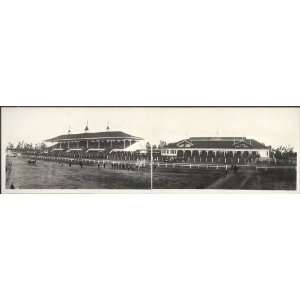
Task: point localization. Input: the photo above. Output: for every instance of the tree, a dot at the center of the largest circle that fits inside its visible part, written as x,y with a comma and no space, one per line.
284,153
162,144
10,146
20,146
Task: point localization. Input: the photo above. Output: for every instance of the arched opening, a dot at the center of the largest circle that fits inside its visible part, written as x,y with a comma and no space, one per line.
229,157
254,155
203,156
187,156
210,156
195,156
221,157
180,155
237,158
246,157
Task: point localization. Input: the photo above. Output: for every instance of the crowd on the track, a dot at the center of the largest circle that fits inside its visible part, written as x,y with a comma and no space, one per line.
137,165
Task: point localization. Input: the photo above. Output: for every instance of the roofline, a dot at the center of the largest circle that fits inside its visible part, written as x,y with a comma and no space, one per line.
217,137
238,140
215,149
57,139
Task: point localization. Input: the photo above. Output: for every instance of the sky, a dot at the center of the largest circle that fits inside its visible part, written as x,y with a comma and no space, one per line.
272,126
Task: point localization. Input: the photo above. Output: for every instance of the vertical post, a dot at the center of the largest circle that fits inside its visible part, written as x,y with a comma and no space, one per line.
151,166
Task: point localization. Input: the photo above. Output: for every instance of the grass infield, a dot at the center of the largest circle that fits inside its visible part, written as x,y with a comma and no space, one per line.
53,175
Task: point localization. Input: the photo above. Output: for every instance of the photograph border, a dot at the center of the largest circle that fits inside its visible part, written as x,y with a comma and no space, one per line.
3,189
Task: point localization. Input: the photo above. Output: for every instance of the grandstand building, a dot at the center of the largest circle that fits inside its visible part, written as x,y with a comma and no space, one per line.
91,143
216,150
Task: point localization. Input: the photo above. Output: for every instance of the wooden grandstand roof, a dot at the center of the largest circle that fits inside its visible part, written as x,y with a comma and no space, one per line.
93,135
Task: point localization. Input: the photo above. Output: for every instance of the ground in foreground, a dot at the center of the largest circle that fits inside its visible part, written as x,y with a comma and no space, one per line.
51,175
244,179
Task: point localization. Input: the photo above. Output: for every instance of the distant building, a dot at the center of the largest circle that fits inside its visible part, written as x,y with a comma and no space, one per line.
216,149
91,142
